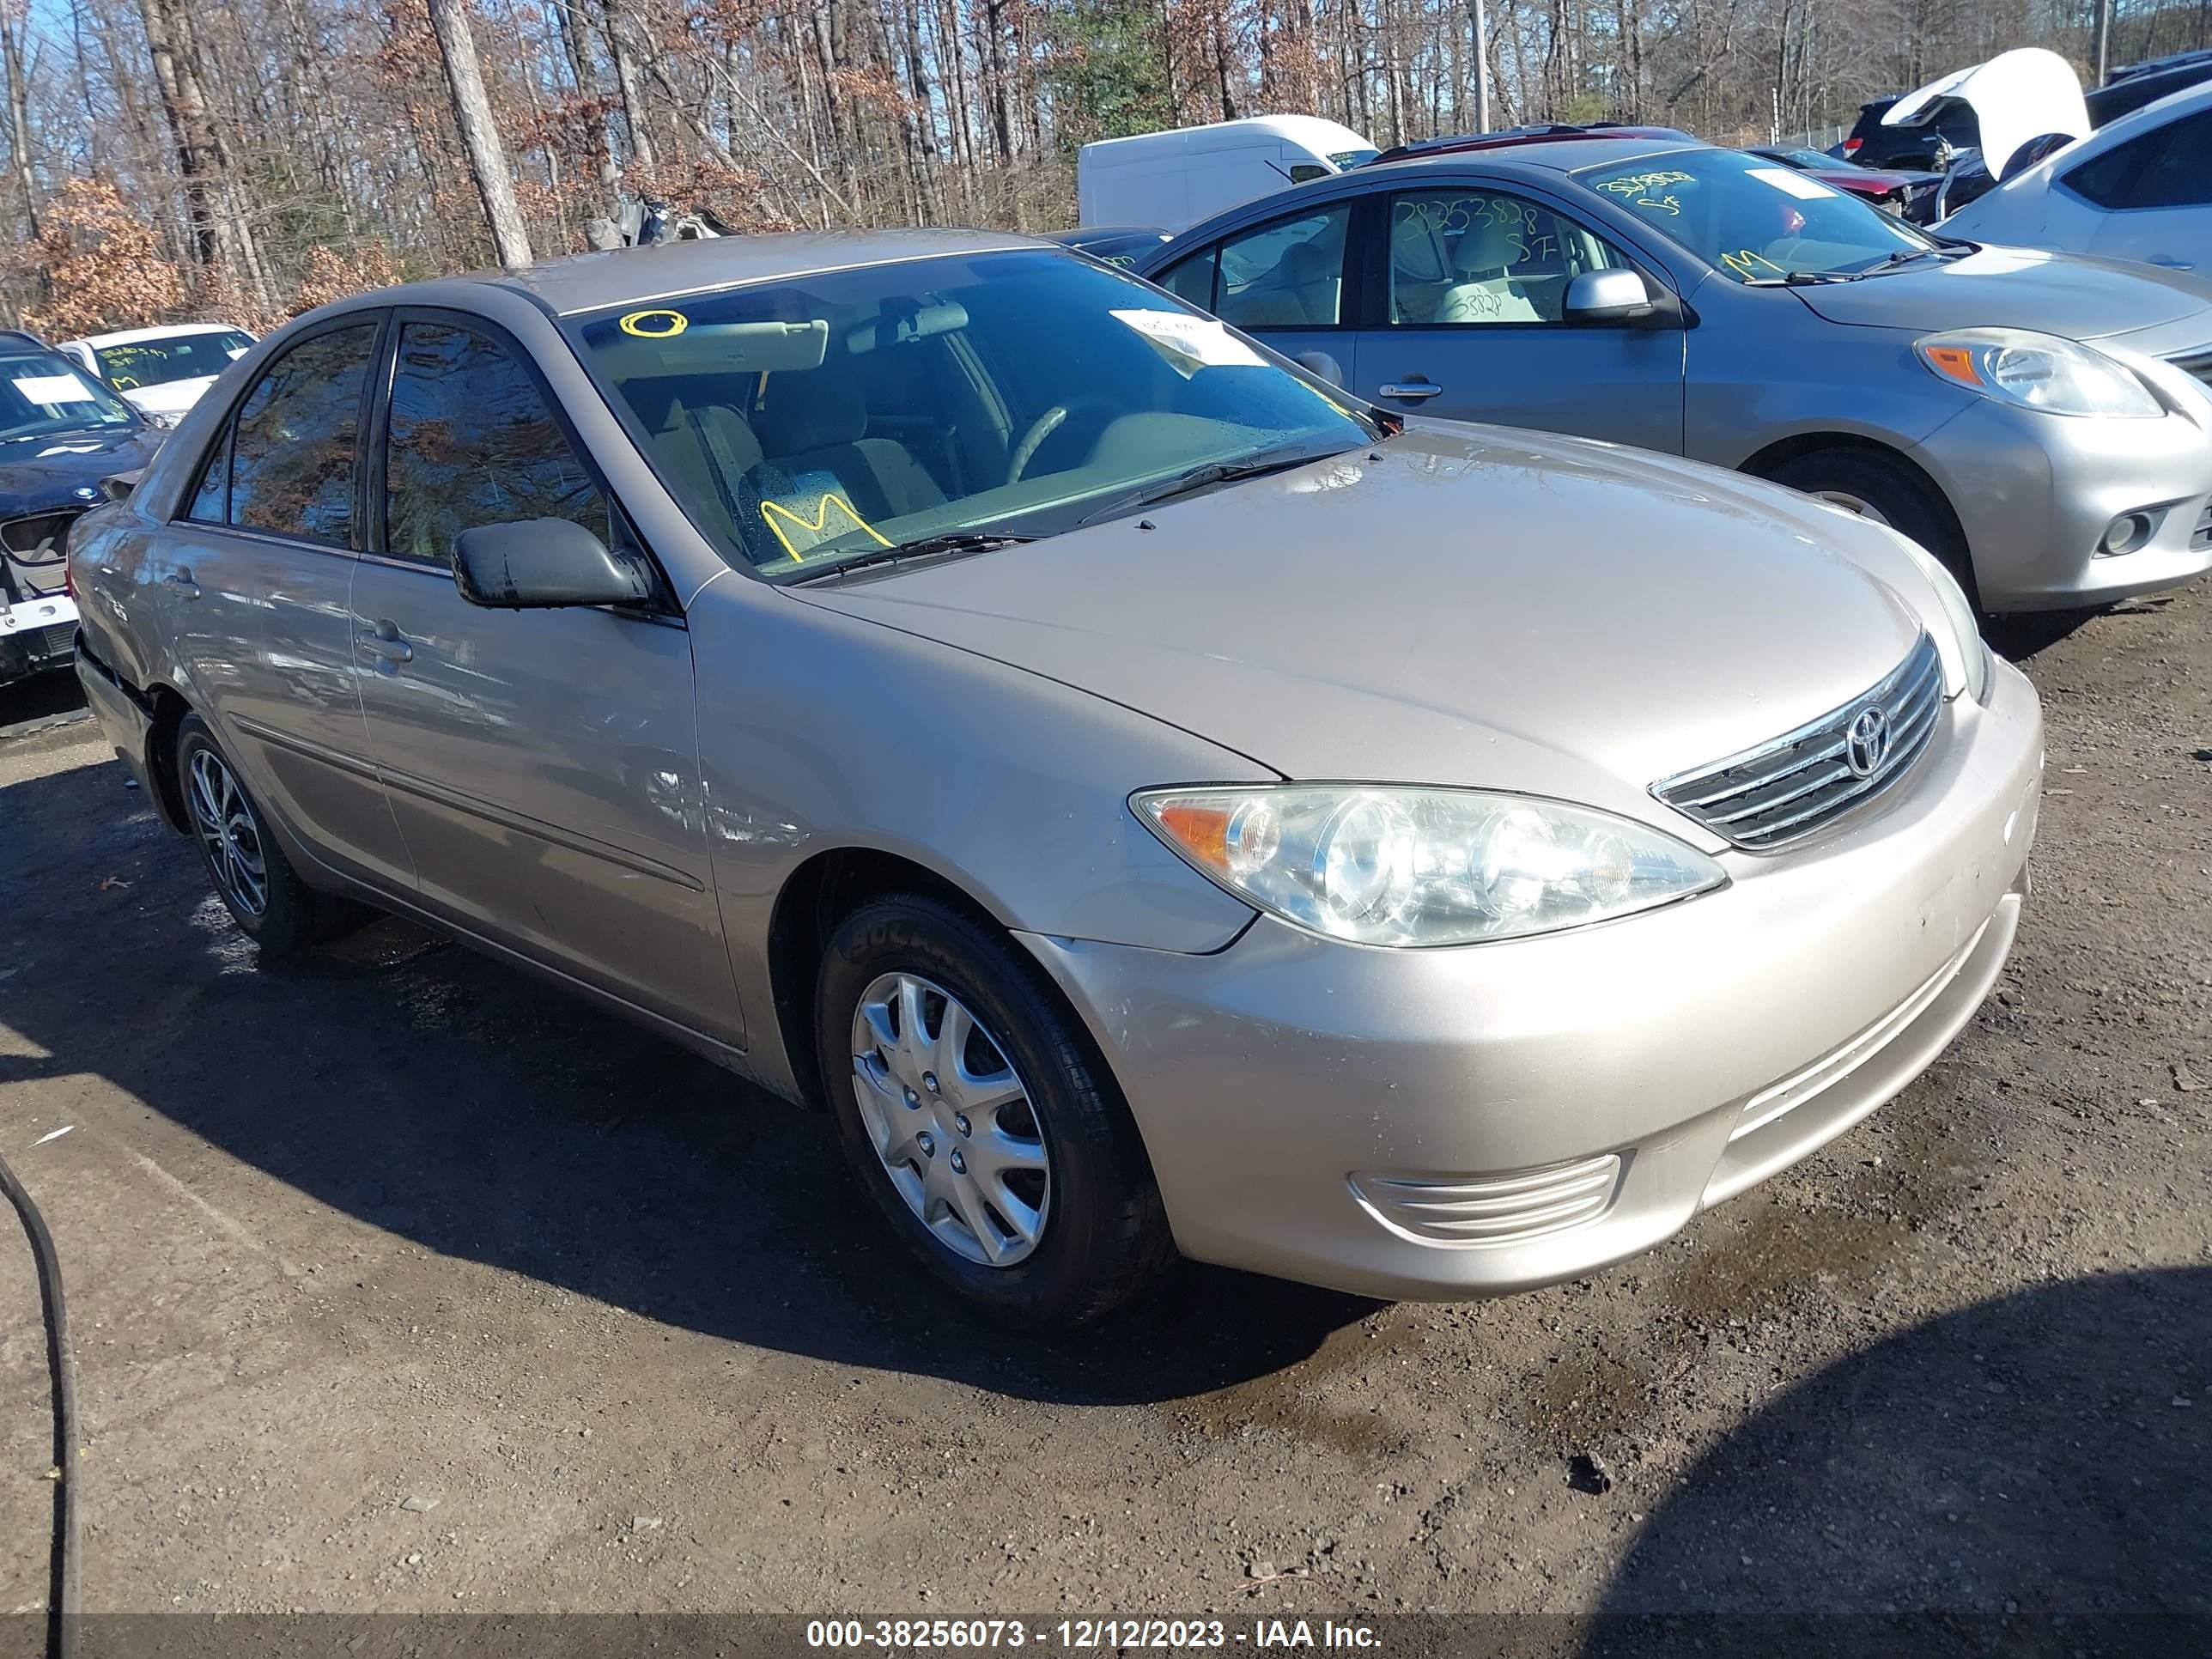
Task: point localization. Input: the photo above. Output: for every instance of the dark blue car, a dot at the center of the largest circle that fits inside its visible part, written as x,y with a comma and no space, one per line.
62,432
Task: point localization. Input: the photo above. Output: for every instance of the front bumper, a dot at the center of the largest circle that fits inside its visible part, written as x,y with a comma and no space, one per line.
1470,1121
2035,493
35,635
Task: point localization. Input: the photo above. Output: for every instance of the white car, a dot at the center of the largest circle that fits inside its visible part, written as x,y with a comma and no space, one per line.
2140,188
162,371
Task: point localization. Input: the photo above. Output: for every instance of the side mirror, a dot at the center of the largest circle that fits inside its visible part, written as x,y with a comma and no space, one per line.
538,563
1607,296
1320,363
117,486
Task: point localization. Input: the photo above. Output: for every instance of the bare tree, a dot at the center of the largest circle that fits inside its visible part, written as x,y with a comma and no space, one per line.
472,114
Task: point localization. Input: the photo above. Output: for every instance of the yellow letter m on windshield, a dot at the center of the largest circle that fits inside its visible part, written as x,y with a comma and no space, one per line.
833,516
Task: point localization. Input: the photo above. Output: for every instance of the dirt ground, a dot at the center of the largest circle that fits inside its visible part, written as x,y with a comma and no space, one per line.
399,1283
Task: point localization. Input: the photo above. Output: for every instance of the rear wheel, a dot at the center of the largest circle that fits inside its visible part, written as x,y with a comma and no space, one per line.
979,1119
248,867
1865,483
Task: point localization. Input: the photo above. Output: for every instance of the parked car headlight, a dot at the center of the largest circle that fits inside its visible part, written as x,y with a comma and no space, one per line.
1380,865
1966,627
2038,371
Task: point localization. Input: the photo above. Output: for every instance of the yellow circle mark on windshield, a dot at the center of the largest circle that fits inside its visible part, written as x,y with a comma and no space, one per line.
655,325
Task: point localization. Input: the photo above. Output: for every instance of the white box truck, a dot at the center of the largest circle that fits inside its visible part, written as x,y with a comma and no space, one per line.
1173,180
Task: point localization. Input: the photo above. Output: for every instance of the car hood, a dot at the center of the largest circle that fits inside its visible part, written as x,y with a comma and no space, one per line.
1460,606
63,469
2065,293
2015,96
171,397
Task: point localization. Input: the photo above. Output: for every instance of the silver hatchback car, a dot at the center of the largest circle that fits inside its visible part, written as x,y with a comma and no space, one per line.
2040,423
1154,801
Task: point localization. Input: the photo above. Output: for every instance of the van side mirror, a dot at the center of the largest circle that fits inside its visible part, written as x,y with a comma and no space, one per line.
1607,296
1320,363
537,563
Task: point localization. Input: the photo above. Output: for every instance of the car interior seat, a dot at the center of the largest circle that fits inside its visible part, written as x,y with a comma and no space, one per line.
1483,292
820,469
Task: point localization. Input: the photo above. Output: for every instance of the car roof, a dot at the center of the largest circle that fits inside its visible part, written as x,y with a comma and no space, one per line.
165,331
1553,154
592,281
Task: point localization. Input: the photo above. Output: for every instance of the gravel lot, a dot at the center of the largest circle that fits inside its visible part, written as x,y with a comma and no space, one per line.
399,1283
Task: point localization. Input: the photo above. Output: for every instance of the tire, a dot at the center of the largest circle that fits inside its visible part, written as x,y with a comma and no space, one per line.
1075,1236
280,913
1898,494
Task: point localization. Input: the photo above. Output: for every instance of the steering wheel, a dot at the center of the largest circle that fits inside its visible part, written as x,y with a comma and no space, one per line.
1042,428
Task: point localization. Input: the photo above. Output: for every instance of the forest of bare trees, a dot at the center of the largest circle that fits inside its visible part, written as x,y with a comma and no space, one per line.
168,159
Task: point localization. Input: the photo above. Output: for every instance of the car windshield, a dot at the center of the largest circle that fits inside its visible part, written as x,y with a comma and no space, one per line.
809,422
1345,159
1800,158
177,357
42,393
1754,220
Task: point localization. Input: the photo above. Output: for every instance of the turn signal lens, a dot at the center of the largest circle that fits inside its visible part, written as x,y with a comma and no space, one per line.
1956,361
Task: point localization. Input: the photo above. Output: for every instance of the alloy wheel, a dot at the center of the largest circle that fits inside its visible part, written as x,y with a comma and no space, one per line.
230,834
950,1118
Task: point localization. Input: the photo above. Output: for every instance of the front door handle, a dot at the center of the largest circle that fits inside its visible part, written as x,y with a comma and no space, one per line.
181,580
386,641
2171,263
1411,390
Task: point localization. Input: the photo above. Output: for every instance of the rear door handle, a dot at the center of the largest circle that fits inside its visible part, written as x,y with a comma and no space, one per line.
181,580
2171,262
384,641
1411,390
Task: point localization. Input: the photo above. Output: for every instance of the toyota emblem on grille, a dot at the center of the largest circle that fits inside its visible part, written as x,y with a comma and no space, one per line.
1866,741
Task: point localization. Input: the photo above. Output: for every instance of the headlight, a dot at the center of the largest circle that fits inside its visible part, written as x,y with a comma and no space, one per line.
1966,627
2038,371
1386,866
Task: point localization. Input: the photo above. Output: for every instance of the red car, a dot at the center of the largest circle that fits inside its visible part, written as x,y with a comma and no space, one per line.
1890,187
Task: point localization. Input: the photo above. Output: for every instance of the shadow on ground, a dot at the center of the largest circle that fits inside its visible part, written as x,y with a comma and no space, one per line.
455,1102
2030,1475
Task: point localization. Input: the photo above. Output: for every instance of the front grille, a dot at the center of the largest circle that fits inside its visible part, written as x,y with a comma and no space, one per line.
2202,535
1792,786
2200,365
59,640
1494,1209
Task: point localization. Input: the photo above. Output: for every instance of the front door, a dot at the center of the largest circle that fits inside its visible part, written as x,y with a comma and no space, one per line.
1465,300
542,764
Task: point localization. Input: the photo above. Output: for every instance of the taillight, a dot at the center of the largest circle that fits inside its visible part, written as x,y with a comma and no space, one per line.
1851,146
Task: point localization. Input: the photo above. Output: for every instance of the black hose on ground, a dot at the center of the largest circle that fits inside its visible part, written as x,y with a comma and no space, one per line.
61,1593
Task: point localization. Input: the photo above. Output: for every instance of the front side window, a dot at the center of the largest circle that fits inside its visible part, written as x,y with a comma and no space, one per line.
1477,257
178,357
292,450
1753,220
42,393
470,442
806,422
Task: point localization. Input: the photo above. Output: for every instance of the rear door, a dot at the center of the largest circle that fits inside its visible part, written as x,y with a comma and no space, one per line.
542,764
1284,282
1465,286
252,579
2156,193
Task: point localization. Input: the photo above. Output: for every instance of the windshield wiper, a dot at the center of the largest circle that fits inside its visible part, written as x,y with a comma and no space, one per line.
1803,279
1202,477
1905,255
922,547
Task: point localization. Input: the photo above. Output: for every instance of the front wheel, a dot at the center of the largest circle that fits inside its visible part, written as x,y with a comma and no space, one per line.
979,1121
1889,492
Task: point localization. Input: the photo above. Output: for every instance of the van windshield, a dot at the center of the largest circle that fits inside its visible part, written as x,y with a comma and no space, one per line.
1345,159
837,415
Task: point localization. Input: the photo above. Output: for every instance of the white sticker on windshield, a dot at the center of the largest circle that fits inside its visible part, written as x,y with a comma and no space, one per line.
1792,184
1190,344
234,352
54,389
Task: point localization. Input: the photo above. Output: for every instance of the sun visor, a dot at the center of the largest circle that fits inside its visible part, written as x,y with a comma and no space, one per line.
652,337
2015,96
